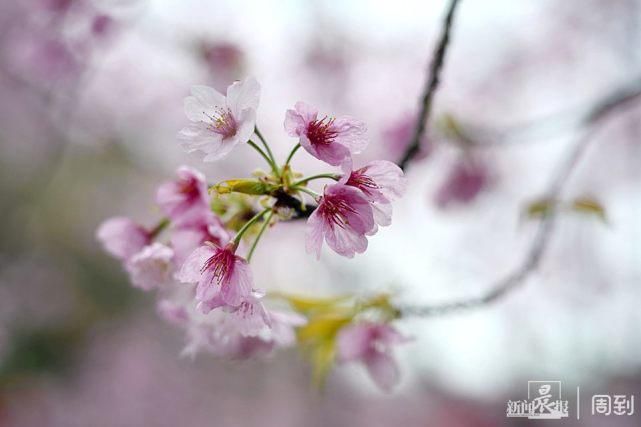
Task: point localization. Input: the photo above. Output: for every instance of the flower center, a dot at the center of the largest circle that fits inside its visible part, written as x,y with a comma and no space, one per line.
335,211
189,188
363,182
221,265
322,132
223,123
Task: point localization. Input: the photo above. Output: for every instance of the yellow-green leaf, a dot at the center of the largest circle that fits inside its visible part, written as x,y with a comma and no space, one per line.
253,187
589,206
308,305
322,327
322,361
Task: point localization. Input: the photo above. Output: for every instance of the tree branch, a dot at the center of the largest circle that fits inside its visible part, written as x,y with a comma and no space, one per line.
431,84
541,240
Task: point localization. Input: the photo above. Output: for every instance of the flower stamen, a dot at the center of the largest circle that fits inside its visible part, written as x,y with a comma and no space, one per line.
223,123
322,132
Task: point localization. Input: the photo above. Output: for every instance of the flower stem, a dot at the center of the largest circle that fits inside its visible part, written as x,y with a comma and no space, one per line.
319,176
248,224
266,221
269,161
265,144
312,193
162,224
291,154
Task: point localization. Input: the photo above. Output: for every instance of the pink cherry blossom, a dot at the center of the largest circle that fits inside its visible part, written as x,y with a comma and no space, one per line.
186,200
332,140
151,267
381,182
223,278
122,237
464,182
221,333
370,343
248,319
185,240
281,334
343,218
219,122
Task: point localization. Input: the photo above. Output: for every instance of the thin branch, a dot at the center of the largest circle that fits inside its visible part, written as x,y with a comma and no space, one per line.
549,125
431,84
540,243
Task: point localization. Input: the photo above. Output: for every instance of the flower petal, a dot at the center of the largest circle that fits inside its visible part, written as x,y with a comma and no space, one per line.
243,95
382,368
208,97
190,271
353,342
314,234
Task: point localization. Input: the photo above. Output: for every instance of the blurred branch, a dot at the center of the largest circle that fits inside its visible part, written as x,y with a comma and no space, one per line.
547,126
540,243
431,84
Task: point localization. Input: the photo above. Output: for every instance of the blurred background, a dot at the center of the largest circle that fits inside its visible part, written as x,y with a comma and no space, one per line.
90,103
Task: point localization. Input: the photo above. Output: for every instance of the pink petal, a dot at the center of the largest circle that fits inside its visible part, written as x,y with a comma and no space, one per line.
122,237
314,234
190,271
351,134
382,369
294,123
353,342
388,176
334,154
151,267
382,213
240,284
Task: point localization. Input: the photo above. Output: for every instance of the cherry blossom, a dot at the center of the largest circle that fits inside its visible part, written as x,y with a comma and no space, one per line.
343,218
371,343
219,122
151,267
223,278
464,182
332,140
185,201
122,237
381,182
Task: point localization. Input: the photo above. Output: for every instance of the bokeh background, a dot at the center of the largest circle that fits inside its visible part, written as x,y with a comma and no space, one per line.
91,100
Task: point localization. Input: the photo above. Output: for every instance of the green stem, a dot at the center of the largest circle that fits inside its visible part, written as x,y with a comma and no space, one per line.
262,153
265,144
312,193
162,224
319,176
291,154
260,234
248,224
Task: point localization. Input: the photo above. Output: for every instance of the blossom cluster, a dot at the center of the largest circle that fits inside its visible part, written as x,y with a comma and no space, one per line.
192,257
